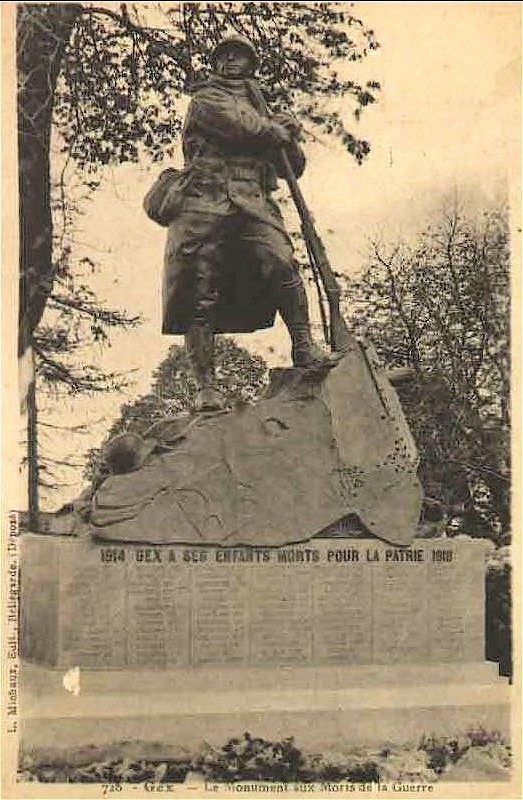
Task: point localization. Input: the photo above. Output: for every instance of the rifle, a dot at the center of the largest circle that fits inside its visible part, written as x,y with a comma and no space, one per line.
339,335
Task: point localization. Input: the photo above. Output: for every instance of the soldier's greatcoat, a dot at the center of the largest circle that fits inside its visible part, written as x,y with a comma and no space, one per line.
226,212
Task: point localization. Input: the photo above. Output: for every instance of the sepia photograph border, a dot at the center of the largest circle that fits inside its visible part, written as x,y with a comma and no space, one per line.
13,492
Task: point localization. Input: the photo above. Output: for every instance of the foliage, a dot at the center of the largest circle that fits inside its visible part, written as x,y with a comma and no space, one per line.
441,307
124,72
335,766
255,758
240,376
252,758
75,319
405,764
443,752
112,770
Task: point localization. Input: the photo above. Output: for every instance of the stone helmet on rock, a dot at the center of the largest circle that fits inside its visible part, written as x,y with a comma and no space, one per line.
126,452
235,40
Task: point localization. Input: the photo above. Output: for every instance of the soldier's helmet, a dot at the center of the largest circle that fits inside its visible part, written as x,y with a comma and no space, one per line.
235,40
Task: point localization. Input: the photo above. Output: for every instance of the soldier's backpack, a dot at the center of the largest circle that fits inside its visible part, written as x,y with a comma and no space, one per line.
163,201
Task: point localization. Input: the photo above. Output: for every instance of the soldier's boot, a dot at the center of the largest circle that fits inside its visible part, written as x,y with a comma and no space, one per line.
294,311
199,343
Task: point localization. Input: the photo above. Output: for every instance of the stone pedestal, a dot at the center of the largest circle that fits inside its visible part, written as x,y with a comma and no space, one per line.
333,638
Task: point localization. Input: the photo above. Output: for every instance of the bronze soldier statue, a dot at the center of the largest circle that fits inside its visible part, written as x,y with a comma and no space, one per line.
229,263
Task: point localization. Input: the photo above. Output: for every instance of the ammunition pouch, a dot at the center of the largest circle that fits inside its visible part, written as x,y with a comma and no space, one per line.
234,169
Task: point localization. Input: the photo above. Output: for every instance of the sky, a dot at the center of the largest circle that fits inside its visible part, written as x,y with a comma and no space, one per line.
446,125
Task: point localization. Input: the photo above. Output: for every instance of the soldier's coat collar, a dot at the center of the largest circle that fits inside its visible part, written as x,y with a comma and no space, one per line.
236,86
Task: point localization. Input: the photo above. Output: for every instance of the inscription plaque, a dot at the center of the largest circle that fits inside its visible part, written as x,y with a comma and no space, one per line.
91,606
456,623
313,604
158,608
280,614
219,614
342,631
400,630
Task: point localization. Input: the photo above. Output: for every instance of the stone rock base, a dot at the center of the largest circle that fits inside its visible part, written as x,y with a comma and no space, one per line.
321,444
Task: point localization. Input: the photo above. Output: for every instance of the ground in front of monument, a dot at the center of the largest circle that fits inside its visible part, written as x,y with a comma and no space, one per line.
364,662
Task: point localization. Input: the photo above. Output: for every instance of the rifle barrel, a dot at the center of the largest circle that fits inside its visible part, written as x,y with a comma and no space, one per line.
339,332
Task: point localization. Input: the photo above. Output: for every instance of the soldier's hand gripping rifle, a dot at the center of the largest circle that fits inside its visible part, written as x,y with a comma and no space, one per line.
339,335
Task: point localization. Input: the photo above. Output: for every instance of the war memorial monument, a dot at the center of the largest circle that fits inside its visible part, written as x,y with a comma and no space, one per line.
257,568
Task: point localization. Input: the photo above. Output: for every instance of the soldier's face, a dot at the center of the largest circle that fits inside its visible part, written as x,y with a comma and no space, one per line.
234,62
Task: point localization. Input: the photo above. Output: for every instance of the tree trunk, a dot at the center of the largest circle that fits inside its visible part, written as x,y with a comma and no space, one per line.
32,454
42,35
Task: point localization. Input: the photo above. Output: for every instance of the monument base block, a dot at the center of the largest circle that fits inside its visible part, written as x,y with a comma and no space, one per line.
321,707
333,642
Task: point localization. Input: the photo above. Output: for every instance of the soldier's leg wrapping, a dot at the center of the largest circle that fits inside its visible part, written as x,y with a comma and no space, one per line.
273,250
294,310
190,294
199,338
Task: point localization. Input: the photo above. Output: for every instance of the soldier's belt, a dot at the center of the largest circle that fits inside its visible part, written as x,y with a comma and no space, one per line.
237,169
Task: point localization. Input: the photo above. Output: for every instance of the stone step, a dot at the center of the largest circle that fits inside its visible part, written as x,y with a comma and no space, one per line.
320,707
43,681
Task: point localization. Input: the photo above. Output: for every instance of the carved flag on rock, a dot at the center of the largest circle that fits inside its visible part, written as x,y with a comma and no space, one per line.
375,445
